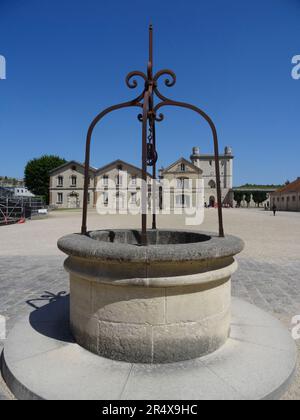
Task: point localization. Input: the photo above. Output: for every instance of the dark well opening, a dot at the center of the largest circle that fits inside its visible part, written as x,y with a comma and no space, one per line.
155,237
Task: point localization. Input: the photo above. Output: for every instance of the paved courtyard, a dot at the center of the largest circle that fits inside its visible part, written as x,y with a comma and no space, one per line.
31,266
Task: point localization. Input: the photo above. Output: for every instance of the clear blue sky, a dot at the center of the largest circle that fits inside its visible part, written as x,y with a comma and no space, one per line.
67,60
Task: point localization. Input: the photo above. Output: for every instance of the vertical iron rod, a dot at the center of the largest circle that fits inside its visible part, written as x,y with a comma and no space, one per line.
151,46
144,169
154,179
152,126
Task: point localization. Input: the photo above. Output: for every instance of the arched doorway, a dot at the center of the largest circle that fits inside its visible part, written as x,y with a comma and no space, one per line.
73,200
212,201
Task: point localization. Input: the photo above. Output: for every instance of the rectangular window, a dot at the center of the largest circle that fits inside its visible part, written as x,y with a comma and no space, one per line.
105,180
59,198
133,180
182,200
182,183
105,198
182,167
73,181
119,180
60,181
133,198
89,198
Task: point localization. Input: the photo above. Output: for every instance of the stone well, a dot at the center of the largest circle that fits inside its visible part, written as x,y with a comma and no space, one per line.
167,302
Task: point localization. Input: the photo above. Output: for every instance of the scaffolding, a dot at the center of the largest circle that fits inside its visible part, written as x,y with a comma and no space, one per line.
17,210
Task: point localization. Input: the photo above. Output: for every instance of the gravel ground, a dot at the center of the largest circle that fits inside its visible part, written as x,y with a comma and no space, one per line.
31,270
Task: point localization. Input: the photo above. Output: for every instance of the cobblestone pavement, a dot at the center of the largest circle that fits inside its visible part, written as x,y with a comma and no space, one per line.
31,269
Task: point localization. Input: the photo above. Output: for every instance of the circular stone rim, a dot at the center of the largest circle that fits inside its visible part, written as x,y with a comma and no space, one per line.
83,246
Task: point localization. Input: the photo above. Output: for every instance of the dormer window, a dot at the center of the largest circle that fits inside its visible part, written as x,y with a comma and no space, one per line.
182,167
73,167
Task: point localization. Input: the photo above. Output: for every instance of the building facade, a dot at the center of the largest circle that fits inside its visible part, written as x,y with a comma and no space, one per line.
288,197
206,162
118,184
179,184
66,186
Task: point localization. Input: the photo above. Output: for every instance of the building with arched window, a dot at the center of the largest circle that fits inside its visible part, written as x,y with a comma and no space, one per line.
206,162
118,183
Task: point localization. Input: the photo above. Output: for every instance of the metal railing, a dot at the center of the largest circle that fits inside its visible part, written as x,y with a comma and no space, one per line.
14,210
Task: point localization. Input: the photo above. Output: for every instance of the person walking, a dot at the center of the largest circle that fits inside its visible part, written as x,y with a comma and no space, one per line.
274,208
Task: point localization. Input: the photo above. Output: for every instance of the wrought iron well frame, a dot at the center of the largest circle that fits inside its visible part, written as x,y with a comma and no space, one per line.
148,117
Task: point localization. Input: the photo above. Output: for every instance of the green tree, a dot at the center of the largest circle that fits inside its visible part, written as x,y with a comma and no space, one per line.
247,198
259,197
238,197
36,174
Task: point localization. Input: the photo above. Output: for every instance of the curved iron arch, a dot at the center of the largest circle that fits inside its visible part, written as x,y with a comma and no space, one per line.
96,120
148,117
170,102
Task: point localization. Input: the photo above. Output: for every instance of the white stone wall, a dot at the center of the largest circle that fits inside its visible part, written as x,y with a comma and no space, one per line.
131,184
207,164
286,202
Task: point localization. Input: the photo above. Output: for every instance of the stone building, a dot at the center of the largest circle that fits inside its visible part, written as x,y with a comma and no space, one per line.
206,162
67,182
118,184
178,185
288,197
66,185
